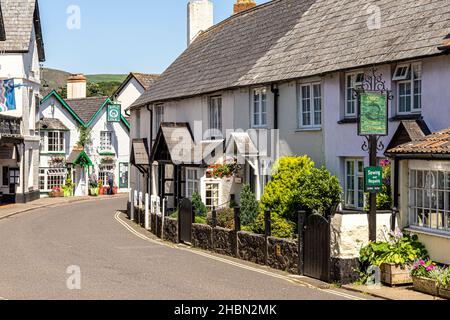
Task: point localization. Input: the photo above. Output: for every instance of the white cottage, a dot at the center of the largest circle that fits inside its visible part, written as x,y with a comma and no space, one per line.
65,124
21,52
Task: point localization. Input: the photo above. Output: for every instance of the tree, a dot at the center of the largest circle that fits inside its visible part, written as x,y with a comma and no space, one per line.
249,206
198,206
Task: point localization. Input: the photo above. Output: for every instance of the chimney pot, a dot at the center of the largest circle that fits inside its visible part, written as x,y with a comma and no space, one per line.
242,5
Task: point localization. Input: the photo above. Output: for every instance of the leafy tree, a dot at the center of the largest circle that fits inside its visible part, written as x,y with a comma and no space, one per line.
85,136
249,206
198,206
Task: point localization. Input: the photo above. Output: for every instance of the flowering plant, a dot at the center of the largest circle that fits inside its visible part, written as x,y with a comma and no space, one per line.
428,269
57,189
422,268
223,170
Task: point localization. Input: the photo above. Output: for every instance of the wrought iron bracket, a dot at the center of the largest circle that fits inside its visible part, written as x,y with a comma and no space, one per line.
366,145
373,82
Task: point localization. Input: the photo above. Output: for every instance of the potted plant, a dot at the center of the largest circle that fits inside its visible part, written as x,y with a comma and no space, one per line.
56,193
394,257
421,275
68,187
224,170
444,283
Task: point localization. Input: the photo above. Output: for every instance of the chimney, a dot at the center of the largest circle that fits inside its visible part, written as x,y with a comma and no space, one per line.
242,5
200,18
76,86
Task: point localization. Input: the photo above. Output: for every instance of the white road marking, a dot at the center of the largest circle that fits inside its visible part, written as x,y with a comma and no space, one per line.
236,264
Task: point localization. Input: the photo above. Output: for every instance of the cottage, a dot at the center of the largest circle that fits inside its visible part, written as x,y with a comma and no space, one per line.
82,136
21,52
422,190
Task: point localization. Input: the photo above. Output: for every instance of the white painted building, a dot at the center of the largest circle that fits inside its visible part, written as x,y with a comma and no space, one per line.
21,52
105,153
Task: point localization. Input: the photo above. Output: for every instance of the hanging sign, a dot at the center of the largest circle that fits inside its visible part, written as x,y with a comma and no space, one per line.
373,114
114,112
373,179
7,95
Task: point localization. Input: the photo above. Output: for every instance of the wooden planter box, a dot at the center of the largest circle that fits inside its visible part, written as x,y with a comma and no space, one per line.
444,292
425,285
56,194
395,275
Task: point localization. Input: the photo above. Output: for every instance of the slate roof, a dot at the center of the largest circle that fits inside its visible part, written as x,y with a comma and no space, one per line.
290,39
51,124
19,16
139,152
436,143
87,107
144,79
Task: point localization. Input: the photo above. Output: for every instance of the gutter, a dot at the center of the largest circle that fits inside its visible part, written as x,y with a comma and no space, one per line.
150,169
276,94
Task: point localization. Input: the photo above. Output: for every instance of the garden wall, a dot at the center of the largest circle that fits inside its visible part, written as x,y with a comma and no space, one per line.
171,230
202,236
252,247
224,241
282,254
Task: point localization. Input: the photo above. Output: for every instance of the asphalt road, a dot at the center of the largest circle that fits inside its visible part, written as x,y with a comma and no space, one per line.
38,247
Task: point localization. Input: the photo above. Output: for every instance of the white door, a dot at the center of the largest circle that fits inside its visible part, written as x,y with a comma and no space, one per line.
80,182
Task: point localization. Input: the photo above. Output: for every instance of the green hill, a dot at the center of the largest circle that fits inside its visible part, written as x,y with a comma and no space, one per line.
96,78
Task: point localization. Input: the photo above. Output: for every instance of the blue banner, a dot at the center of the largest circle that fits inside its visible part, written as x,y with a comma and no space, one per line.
7,97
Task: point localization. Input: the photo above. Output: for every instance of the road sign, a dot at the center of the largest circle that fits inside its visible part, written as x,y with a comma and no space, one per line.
373,114
373,179
114,112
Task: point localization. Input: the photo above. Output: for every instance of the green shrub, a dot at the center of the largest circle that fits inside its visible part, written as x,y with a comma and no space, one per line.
200,220
320,192
249,206
225,218
281,228
198,206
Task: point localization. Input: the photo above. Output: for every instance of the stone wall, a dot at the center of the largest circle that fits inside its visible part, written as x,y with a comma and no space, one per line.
252,247
171,230
153,222
344,271
156,224
202,236
224,241
282,254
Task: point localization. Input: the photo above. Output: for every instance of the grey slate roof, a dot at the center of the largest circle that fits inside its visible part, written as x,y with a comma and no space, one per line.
290,39
139,152
87,107
144,79
19,16
51,124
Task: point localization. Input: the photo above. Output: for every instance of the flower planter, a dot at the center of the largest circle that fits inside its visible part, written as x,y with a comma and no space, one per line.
115,190
395,275
444,292
56,194
94,192
426,285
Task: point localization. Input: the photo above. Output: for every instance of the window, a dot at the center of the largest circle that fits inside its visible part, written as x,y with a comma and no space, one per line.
259,114
212,196
354,183
409,88
352,82
429,199
310,110
192,182
55,141
159,116
51,178
215,116
14,176
106,140
105,172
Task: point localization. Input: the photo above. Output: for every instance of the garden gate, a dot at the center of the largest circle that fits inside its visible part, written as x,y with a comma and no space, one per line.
185,221
317,258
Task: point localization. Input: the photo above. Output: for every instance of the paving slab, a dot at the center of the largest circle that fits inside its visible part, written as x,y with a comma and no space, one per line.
391,293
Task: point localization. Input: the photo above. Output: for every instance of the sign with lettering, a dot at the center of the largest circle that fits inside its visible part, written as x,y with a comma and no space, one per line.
373,114
373,179
114,112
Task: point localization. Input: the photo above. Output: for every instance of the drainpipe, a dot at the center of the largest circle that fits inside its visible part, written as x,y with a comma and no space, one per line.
150,168
396,182
276,95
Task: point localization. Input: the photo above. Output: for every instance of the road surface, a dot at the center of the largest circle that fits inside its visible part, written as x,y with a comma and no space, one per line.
83,246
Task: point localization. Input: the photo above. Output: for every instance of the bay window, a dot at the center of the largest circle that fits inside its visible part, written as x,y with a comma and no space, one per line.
51,178
259,113
310,106
429,199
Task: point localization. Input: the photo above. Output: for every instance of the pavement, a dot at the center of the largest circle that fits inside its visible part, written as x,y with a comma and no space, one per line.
88,250
391,293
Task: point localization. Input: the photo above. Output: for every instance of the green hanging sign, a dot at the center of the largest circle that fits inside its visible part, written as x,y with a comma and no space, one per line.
373,179
114,112
373,114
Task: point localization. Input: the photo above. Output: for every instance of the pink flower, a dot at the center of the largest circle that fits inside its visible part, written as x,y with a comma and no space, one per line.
422,263
431,267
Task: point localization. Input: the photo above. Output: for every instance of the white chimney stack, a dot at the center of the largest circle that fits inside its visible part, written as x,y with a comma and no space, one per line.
200,18
76,87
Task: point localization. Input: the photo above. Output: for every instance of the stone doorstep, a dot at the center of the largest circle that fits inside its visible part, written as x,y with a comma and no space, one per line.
391,293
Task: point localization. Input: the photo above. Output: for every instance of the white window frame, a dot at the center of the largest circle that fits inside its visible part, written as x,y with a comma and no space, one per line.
215,118
46,140
46,173
350,98
159,116
312,110
357,176
402,76
192,184
215,183
409,79
259,108
104,171
106,142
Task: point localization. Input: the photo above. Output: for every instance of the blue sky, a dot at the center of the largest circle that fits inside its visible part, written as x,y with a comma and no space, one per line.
118,36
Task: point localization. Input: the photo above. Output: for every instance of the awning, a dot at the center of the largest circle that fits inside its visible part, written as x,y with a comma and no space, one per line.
79,158
139,155
240,144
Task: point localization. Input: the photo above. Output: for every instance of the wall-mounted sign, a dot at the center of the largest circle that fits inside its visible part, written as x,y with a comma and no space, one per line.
373,114
114,112
373,179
